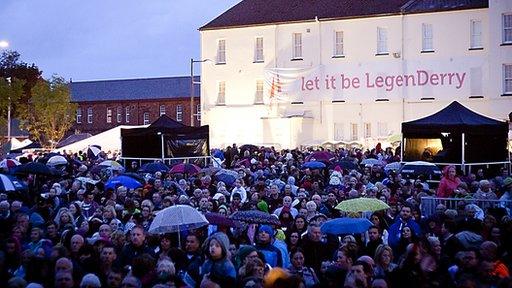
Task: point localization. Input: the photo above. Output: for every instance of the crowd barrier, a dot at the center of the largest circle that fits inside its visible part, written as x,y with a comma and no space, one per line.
429,204
203,161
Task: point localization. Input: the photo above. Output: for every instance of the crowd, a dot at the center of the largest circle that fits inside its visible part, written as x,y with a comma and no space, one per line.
72,231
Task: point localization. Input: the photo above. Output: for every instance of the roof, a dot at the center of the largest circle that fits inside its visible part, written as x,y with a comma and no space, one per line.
259,12
72,139
165,121
133,89
456,118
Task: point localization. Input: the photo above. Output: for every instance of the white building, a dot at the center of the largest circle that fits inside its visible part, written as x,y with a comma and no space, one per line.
296,72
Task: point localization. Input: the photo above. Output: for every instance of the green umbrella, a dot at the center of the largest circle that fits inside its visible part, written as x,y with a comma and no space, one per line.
362,205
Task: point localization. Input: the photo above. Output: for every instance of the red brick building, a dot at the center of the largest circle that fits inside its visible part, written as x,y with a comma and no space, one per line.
105,104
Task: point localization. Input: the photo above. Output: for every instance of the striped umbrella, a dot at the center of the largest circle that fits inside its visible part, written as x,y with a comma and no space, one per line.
10,183
9,163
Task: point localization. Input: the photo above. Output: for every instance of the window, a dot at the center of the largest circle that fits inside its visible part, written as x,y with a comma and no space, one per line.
127,114
179,113
109,115
89,115
119,114
338,43
338,131
221,96
353,132
258,97
79,115
507,79
507,28
221,52
367,130
162,110
382,41
258,50
146,118
297,46
427,43
476,34
198,112
382,129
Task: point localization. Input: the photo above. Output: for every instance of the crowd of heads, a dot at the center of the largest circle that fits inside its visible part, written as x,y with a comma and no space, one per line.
72,231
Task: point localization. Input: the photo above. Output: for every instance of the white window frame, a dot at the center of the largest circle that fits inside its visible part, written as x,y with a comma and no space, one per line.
507,28
258,50
338,44
109,115
258,95
427,37
146,118
354,132
119,114
221,51
127,114
367,130
79,115
297,46
382,41
89,115
198,112
162,110
475,37
221,93
507,79
179,113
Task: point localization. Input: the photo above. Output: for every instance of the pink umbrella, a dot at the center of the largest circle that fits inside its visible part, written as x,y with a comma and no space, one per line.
322,156
185,168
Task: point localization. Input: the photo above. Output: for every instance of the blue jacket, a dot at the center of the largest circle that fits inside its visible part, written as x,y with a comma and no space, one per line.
396,228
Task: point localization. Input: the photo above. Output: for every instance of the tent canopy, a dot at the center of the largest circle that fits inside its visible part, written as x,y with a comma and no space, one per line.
178,140
438,137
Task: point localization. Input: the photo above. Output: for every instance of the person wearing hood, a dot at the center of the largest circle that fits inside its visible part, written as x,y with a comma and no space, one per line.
448,183
218,268
264,244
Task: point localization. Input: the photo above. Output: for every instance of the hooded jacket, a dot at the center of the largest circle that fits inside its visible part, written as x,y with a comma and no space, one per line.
220,271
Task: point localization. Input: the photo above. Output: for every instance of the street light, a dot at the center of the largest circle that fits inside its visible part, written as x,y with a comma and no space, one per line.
192,86
4,44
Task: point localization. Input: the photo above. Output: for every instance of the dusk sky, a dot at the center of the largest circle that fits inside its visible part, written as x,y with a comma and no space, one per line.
107,39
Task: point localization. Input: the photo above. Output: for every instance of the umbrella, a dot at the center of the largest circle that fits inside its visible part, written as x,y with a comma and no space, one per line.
185,168
112,165
226,176
255,217
395,166
175,219
10,183
210,170
93,151
322,156
154,167
34,168
245,162
125,181
221,220
348,165
371,161
249,147
416,168
346,226
313,165
362,205
134,176
9,163
57,160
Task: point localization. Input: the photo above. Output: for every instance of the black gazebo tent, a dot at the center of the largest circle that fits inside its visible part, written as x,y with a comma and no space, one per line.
461,136
165,138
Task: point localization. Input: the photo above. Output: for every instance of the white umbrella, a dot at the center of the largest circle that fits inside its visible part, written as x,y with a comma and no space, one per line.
395,166
177,218
57,160
371,161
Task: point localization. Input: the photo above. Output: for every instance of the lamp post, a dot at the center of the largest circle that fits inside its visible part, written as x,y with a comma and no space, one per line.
192,86
4,44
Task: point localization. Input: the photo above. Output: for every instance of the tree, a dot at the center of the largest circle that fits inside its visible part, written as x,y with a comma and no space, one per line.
11,90
49,114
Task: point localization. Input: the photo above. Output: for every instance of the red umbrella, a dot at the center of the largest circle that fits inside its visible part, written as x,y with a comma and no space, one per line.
185,168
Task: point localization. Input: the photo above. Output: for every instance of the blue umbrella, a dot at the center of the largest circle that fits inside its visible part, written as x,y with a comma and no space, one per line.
154,167
313,165
346,226
125,181
226,176
11,183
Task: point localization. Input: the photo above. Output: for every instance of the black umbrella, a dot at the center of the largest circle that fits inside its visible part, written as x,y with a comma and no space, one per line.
135,176
345,165
255,217
416,168
35,168
154,167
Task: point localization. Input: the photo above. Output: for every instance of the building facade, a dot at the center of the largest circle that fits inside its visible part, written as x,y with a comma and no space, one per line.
105,104
339,71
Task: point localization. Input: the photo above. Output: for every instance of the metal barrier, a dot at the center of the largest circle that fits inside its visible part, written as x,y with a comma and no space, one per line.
204,161
428,204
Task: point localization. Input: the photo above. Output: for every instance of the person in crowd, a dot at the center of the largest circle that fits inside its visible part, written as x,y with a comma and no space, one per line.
448,183
218,268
